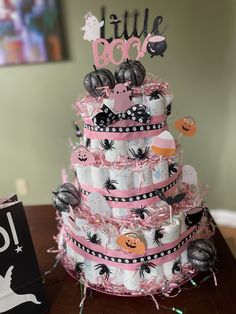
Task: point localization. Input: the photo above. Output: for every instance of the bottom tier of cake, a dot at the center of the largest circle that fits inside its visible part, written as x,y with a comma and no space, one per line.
91,256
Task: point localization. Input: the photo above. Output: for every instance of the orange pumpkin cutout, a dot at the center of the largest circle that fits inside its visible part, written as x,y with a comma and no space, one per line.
131,242
186,126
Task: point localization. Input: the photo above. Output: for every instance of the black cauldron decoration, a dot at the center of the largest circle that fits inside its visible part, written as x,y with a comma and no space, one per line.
194,216
156,45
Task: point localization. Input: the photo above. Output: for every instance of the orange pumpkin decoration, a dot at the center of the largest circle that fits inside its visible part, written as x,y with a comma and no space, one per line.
186,126
131,242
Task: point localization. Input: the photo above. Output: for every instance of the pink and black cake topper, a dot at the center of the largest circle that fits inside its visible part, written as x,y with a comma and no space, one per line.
104,49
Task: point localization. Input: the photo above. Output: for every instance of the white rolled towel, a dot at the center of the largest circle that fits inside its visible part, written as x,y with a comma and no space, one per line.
142,177
155,107
95,146
116,276
131,279
149,235
112,233
114,149
74,256
84,174
120,213
81,224
171,233
122,178
111,244
90,273
99,176
155,272
160,172
184,227
148,141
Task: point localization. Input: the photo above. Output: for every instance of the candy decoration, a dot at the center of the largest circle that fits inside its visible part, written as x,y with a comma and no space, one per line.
131,242
82,156
156,45
65,196
96,80
163,144
189,175
202,254
135,113
186,126
122,100
130,71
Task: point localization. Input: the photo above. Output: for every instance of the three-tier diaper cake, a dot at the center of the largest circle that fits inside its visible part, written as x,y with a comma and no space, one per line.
133,221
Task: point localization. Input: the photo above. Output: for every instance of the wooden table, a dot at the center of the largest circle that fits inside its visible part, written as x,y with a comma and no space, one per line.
64,295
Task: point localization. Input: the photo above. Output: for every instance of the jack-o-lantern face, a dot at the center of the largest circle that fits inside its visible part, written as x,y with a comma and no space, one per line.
82,156
186,125
131,242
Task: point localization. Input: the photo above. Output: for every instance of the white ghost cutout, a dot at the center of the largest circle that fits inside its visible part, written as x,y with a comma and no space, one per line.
92,27
189,175
8,298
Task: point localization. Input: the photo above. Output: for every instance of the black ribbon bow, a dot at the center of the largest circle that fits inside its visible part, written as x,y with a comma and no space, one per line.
135,113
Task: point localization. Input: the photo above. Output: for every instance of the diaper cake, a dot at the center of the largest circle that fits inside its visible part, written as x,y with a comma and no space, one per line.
133,221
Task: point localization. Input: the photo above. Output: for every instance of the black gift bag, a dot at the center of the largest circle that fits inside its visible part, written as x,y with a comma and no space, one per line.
21,288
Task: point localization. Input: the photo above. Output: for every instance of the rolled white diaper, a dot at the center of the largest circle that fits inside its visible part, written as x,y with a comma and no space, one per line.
155,106
142,177
99,176
171,233
114,149
84,174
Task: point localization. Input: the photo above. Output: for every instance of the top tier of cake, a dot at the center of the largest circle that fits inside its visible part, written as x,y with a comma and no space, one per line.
125,137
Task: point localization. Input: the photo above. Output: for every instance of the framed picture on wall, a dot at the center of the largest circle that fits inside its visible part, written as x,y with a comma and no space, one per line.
30,32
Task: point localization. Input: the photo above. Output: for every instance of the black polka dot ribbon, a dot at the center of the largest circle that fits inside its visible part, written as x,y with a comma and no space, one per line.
138,197
135,113
127,258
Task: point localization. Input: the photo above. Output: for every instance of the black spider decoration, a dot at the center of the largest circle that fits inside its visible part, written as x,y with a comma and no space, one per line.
176,268
93,238
145,267
78,267
173,168
140,211
107,145
110,184
87,142
158,235
104,270
156,94
140,154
